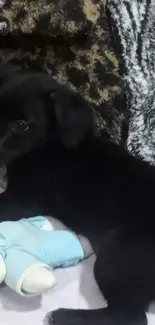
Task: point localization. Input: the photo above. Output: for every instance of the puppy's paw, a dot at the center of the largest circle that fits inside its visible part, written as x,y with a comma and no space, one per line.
61,317
56,317
76,317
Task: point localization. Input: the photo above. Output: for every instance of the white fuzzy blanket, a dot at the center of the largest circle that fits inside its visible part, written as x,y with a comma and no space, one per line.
133,26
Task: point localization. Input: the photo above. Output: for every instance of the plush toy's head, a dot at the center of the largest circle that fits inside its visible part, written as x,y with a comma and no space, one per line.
35,108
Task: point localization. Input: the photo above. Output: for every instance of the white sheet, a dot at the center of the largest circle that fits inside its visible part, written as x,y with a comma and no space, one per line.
76,288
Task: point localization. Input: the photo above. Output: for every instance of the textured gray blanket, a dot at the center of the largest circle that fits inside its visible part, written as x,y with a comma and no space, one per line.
133,26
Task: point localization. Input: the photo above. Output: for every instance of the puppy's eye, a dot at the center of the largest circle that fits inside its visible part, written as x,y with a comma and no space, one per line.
20,126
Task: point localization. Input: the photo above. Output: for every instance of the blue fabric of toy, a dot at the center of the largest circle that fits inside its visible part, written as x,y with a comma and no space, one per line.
24,243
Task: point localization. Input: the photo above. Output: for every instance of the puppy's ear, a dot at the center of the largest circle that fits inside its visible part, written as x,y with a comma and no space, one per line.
74,118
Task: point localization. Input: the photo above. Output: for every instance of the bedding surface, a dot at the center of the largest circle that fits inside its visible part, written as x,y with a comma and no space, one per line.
76,288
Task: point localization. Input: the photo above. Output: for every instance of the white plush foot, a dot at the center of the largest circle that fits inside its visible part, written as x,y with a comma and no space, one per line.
87,247
37,280
2,269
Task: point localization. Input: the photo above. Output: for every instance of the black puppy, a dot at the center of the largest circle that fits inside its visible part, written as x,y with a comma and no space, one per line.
57,166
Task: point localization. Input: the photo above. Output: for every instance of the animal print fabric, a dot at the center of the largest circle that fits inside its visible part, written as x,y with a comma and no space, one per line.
133,27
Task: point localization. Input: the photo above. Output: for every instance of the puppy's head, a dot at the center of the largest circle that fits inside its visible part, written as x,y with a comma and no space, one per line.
35,109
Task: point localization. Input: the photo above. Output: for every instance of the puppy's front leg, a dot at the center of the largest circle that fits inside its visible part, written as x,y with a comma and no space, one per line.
104,316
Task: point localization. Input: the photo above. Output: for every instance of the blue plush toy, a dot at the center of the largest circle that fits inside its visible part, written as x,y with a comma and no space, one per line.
31,248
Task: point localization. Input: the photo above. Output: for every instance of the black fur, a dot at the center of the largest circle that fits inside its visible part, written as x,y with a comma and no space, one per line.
96,188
